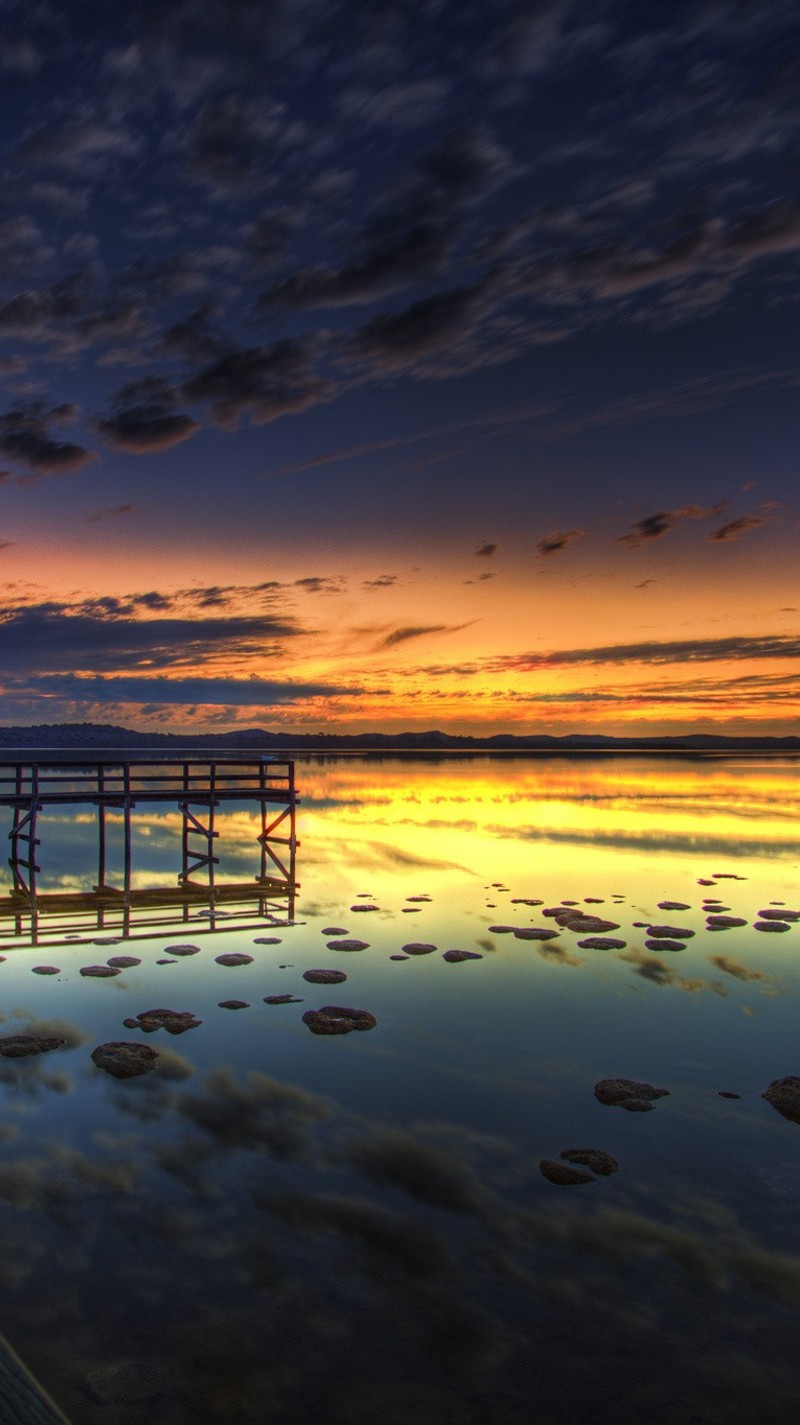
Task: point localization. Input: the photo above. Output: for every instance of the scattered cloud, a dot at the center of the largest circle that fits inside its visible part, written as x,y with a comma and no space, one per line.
554,543
486,549
25,437
404,635
662,521
734,529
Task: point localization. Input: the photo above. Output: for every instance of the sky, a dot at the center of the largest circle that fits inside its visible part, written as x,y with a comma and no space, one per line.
397,366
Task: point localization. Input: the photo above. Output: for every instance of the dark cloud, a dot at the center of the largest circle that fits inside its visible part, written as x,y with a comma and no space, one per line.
426,326
383,581
33,312
54,638
404,635
25,437
234,141
226,692
83,142
144,419
734,529
677,651
554,543
414,228
486,549
262,382
321,584
658,524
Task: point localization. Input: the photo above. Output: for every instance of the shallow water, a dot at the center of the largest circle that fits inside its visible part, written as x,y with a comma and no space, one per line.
348,1228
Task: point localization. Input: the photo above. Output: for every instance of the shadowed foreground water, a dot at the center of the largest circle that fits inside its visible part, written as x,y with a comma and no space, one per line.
277,1223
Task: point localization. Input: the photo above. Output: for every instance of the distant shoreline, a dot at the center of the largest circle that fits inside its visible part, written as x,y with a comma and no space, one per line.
87,739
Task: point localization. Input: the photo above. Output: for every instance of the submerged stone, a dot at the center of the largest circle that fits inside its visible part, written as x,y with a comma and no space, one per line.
125,1060
595,1158
665,944
501,930
335,930
782,914
267,940
727,1093
18,1046
324,977
673,905
562,1174
627,1093
182,949
234,957
348,945
123,962
534,932
670,932
45,970
99,972
418,947
398,957
364,907
454,957
724,922
774,925
601,942
281,999
784,1095
336,1019
234,1004
590,925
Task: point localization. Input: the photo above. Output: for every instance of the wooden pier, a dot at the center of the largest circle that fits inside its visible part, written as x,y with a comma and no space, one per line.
197,785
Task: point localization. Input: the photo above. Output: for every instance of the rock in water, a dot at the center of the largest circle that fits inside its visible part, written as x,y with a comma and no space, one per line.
627,1093
175,1021
595,1158
324,977
562,1174
418,947
124,1060
454,957
99,972
17,1046
784,1095
336,1019
235,957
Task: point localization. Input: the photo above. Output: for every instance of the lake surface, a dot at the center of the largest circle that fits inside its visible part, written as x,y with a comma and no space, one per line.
348,1228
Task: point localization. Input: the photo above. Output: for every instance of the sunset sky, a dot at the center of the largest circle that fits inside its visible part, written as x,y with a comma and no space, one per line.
384,366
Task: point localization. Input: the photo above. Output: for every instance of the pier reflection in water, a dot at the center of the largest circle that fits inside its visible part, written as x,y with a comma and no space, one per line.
278,1225
199,787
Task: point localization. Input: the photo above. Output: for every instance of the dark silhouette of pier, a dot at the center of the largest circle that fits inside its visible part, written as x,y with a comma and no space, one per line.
198,785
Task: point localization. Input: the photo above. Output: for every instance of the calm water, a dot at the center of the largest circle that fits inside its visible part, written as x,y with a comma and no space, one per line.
276,1225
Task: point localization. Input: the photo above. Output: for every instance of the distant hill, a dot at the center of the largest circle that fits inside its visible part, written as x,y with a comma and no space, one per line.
78,735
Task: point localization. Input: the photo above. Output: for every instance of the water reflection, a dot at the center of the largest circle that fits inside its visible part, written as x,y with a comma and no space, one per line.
276,1225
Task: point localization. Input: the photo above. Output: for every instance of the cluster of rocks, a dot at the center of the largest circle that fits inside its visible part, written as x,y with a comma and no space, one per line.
175,1021
561,1172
